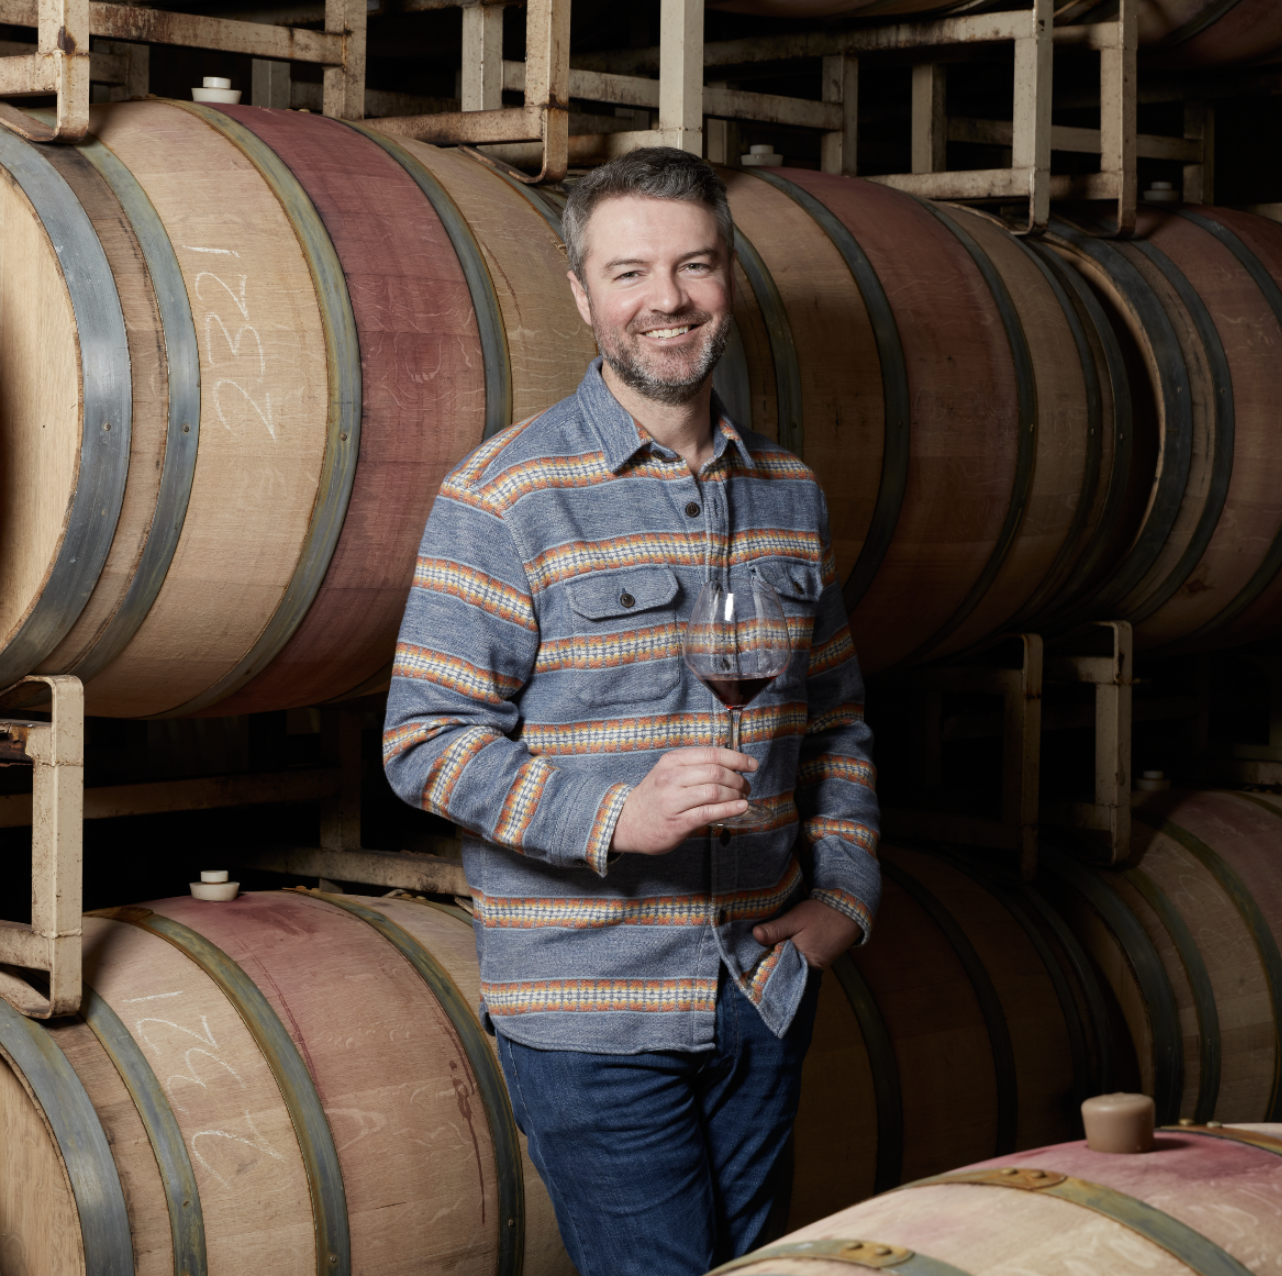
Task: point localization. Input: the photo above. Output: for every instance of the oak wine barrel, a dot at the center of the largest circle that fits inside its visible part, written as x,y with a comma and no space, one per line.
241,348
1186,33
969,1027
1196,302
1186,937
951,385
1202,1203
288,1083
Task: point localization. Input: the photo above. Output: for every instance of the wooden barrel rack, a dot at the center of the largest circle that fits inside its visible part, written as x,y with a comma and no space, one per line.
1178,33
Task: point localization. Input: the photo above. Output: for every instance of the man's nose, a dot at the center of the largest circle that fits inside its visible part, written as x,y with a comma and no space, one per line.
668,295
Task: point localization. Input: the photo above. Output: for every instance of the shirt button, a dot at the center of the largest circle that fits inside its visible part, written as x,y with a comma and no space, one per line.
627,600
693,509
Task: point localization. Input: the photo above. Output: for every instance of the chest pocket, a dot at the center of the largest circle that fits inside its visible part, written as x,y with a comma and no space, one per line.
797,583
628,641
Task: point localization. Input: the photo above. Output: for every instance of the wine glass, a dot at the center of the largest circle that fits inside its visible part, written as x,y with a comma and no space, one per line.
736,644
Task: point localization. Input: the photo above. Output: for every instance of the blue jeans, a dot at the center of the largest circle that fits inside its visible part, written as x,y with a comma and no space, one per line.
666,1162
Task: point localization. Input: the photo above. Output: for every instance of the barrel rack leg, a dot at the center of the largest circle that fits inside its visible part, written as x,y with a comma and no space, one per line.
1012,670
1101,656
51,943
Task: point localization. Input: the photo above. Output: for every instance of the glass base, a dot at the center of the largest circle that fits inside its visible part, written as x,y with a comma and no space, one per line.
753,818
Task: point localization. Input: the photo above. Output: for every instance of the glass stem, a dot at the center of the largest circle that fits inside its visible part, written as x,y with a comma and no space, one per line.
734,730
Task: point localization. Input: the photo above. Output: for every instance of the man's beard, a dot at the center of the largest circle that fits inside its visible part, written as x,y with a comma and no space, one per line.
647,371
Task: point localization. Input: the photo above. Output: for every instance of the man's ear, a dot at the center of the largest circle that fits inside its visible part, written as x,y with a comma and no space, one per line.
580,297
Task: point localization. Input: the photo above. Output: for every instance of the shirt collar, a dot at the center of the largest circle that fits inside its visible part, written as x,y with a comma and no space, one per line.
621,437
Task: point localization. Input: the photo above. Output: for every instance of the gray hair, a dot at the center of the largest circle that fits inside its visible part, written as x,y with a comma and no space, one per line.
652,172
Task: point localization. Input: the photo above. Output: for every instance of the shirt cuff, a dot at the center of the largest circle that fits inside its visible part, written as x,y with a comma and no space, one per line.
851,905
847,878
601,834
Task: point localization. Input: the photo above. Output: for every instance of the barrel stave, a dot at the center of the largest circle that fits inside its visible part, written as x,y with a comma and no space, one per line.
224,1096
39,1222
149,386
263,373
41,408
842,396
135,1162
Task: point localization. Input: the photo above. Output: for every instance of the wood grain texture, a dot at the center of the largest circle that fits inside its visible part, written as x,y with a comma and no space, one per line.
423,399
986,1232
149,382
399,1095
836,1134
130,1147
39,1222
1033,1015
41,408
253,1190
1253,352
932,1013
1062,433
452,942
1227,1192
964,416
263,407
549,346
1247,32
842,401
1242,1001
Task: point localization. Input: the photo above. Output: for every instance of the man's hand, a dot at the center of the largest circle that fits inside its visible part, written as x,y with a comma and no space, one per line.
820,933
685,789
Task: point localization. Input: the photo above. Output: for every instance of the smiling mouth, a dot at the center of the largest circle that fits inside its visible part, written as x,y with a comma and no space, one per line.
666,334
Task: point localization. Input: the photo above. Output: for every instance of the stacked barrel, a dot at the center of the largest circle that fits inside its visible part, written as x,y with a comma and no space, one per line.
298,1082
240,348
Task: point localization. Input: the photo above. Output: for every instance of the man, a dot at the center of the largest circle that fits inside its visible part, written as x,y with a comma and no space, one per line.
652,982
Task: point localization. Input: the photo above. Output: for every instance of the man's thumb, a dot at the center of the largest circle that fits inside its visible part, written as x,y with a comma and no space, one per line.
768,934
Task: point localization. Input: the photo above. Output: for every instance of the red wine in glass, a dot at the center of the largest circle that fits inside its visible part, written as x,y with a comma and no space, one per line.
736,644
734,693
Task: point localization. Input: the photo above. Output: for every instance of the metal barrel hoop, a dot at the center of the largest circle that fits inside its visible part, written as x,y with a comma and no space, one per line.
1005,1073
182,1192
82,1143
297,1089
106,414
490,1084
1225,428
1118,593
888,1099
1256,923
1210,1050
783,348
1143,959
868,1255
1271,563
1018,909
1054,272
495,358
1026,442
1189,1247
343,425
897,448
182,437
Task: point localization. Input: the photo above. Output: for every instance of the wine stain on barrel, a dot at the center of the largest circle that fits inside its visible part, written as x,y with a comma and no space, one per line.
465,1108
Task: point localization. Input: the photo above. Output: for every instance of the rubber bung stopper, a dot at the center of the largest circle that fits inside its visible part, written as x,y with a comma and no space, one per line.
215,875
1119,1123
215,82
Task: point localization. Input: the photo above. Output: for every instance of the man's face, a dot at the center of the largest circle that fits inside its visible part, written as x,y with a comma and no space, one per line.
658,293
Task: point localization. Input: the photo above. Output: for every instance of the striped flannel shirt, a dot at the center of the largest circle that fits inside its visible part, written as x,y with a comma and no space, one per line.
538,677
